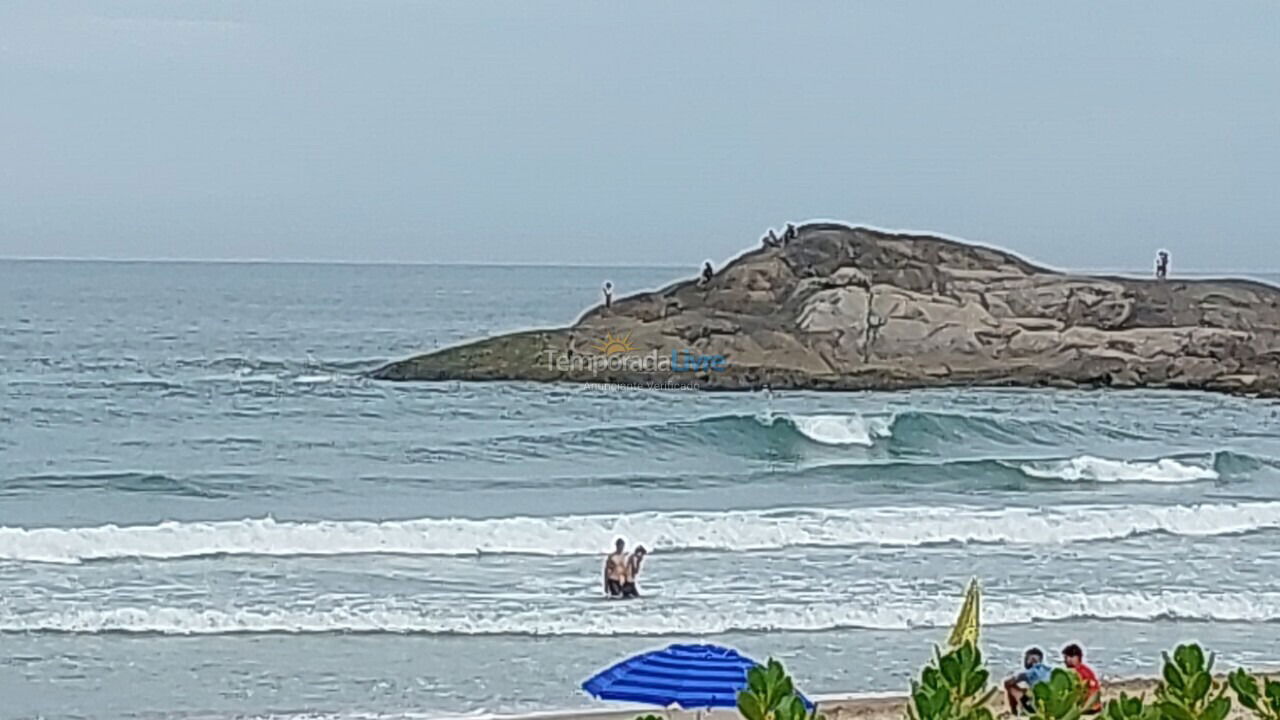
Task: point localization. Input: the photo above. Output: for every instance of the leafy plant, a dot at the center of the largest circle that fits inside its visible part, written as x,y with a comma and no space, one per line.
1130,708
1061,697
952,687
1188,689
770,695
1263,701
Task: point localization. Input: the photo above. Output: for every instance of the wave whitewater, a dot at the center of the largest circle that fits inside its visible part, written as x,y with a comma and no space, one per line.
651,619
735,531
1088,468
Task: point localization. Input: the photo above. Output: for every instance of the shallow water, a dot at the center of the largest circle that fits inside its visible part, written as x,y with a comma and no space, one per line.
207,512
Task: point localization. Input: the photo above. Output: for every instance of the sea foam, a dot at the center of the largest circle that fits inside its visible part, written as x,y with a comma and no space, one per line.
703,617
737,531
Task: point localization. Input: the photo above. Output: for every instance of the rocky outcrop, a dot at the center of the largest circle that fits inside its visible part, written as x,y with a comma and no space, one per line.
852,308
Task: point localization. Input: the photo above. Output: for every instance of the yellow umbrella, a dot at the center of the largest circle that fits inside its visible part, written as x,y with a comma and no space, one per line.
966,628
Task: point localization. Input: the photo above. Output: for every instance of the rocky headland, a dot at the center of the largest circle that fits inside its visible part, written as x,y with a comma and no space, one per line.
850,308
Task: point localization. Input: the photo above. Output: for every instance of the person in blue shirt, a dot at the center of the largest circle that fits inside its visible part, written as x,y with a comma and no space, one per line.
1018,688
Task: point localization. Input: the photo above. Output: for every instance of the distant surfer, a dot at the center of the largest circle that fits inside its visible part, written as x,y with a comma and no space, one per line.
615,569
634,560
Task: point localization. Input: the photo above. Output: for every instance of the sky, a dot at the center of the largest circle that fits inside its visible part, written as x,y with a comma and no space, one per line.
1083,135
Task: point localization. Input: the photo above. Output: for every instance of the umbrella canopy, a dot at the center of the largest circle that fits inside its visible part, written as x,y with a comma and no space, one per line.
967,622
687,676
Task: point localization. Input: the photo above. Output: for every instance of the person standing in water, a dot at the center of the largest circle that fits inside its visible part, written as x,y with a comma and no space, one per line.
629,589
615,569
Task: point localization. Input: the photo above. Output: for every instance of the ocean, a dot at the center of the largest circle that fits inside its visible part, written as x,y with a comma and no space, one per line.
206,511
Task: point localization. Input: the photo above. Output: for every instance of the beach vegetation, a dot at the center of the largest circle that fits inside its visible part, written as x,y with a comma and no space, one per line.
1126,707
1260,698
1061,697
771,695
952,687
1187,690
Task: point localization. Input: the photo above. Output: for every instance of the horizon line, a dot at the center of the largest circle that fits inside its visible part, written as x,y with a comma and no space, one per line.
481,263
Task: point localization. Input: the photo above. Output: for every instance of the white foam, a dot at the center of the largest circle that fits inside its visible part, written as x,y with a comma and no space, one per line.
707,617
837,429
1095,469
736,531
314,379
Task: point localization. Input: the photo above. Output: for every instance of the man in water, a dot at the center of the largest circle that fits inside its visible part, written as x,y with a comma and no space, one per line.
615,569
633,571
1018,688
1073,657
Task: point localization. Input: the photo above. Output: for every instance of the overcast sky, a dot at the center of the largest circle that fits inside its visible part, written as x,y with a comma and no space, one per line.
1080,134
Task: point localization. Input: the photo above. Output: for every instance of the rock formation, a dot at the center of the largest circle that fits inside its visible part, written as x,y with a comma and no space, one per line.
845,308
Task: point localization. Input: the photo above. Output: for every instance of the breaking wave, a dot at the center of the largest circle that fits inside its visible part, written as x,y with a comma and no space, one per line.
835,429
744,530
650,618
1096,469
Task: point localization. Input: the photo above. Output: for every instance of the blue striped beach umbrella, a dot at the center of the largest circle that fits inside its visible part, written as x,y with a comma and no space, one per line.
686,676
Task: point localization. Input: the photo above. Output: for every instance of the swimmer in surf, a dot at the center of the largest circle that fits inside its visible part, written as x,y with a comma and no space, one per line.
633,571
615,570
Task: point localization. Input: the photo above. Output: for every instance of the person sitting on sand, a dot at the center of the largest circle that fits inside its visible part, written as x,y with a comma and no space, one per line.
1018,688
1073,657
633,571
615,569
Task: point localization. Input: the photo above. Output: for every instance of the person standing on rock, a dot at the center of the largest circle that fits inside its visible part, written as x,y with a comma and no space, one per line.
790,233
608,295
1162,265
707,273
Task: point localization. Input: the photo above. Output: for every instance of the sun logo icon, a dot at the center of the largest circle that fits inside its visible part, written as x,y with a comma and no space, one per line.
614,344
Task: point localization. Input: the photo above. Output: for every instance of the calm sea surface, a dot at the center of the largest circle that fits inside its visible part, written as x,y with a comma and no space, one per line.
206,512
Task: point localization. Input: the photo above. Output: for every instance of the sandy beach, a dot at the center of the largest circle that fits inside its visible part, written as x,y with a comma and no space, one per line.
852,706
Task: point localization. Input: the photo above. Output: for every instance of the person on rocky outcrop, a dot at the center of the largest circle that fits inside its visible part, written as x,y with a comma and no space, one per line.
608,295
1162,265
707,274
789,234
771,239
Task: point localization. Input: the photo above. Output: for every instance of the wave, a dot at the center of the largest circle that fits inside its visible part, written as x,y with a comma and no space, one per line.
801,436
835,429
735,531
1089,468
651,618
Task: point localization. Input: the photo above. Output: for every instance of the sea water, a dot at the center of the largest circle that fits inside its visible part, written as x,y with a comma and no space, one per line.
207,511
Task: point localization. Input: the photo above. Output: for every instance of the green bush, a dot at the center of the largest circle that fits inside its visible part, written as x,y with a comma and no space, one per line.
1263,701
770,695
1062,697
1188,691
1130,708
952,687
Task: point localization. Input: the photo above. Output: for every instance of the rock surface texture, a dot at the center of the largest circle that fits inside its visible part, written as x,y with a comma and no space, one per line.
846,308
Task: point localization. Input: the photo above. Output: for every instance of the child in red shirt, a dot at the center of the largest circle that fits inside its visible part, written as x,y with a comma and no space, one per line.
1073,657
